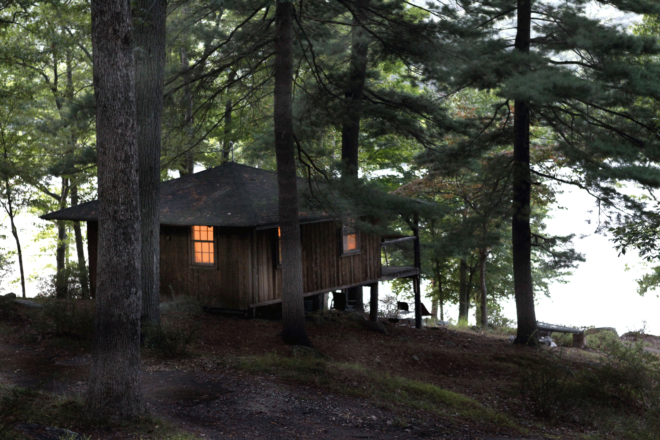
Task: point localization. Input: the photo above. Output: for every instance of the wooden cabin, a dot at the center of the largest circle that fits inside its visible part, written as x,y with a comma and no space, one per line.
219,242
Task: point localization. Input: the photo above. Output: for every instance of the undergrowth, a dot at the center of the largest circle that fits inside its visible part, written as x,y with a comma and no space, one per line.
382,389
170,340
620,393
18,406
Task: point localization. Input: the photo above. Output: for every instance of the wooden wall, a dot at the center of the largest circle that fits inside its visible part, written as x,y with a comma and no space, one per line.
246,272
228,285
323,266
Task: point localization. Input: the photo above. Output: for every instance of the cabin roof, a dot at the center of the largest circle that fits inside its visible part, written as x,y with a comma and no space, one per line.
228,195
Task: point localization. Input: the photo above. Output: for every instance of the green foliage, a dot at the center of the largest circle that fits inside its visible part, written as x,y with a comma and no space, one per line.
170,341
14,403
68,318
550,388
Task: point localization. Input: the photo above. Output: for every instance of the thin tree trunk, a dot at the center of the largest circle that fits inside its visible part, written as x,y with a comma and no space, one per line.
483,256
434,307
350,133
61,278
463,291
149,30
14,231
189,164
520,224
82,265
293,309
373,304
114,380
226,141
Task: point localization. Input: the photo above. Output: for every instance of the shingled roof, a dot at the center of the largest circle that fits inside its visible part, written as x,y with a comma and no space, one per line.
227,195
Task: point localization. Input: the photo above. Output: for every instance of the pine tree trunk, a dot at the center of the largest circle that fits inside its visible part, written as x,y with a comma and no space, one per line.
189,164
293,309
350,133
520,224
483,256
226,141
463,297
80,250
114,381
61,279
149,32
373,304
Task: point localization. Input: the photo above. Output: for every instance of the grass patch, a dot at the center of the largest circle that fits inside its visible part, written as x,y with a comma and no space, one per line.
19,405
382,389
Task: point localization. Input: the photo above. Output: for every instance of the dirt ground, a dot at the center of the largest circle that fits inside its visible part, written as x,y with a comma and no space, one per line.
207,394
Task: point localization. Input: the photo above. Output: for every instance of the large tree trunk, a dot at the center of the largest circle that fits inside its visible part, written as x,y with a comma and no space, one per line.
61,278
463,295
520,224
149,30
80,250
226,141
114,381
293,308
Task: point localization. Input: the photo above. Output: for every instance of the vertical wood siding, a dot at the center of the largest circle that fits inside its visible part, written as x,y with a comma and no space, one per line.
323,266
246,272
228,285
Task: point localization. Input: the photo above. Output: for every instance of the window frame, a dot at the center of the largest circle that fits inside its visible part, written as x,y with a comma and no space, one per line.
348,225
192,241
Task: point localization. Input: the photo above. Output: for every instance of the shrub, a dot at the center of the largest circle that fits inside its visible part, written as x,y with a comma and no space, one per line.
69,318
7,307
627,372
170,341
14,402
551,389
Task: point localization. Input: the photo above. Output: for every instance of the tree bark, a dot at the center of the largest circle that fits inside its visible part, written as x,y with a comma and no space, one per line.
149,32
293,309
189,163
350,133
226,141
373,304
114,381
61,278
521,182
483,256
80,250
463,298
14,231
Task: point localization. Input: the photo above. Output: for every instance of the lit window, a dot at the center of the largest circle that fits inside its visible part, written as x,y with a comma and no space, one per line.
279,246
350,239
204,251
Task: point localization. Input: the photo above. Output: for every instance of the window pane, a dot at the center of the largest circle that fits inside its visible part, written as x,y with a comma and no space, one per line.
198,247
195,232
352,242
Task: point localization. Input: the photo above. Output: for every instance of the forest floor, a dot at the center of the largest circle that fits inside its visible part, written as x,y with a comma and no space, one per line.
238,380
